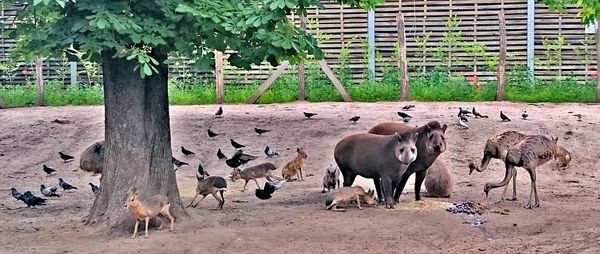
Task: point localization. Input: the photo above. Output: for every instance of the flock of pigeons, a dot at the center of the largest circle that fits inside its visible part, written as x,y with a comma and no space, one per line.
464,113
48,191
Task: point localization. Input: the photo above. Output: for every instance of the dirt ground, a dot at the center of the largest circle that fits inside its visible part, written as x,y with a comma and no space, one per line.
295,220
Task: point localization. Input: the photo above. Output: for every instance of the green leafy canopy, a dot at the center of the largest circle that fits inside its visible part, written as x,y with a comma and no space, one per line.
255,30
589,10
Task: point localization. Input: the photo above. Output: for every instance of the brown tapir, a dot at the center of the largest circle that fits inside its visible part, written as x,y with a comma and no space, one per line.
384,157
430,144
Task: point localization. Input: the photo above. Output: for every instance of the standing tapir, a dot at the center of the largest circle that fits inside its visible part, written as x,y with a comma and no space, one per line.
430,145
376,157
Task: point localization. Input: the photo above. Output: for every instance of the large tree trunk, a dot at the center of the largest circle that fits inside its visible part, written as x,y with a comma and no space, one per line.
138,142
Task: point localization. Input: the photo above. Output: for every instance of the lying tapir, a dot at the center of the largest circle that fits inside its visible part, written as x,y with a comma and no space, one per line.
384,157
430,144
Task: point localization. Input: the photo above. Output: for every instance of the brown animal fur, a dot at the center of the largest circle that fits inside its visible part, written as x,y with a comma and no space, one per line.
92,158
147,209
211,185
530,153
563,157
497,147
252,173
430,144
439,181
294,167
347,194
331,178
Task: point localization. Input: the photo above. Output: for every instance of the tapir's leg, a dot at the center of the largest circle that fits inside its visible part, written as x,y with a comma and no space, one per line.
419,178
401,185
386,183
349,179
380,195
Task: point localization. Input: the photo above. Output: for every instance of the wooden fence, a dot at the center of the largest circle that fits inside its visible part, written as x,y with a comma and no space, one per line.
562,47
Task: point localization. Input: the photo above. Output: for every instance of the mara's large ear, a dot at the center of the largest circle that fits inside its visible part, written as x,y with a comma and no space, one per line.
554,139
298,149
132,190
206,173
444,127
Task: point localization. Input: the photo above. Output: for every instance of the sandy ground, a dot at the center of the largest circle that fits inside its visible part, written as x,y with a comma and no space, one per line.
295,220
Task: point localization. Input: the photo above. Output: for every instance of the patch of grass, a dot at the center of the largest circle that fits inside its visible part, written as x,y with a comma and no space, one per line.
436,85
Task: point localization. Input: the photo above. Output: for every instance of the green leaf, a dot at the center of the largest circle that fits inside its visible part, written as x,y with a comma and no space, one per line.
147,70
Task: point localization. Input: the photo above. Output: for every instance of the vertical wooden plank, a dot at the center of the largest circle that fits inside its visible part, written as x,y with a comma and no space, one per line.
219,77
560,56
402,64
265,85
597,60
502,64
39,82
424,62
336,82
301,69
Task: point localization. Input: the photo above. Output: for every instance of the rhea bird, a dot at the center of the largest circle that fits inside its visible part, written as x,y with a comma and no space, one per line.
497,147
529,153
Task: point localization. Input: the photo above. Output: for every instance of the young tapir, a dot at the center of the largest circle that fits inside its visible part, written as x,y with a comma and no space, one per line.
430,145
376,157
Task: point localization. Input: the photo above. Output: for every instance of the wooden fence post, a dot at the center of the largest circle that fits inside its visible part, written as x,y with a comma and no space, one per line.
301,69
502,65
219,79
265,85
597,60
39,82
336,82
402,64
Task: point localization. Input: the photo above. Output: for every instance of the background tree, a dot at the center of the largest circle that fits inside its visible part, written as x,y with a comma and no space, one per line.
589,12
133,39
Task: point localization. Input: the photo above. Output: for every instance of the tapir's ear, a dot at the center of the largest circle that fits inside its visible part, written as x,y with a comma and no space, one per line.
444,127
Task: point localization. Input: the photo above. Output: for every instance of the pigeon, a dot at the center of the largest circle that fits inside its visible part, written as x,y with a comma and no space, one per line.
48,170
404,115
462,111
270,152
234,161
309,115
354,119
463,118
95,189
260,131
16,194
48,191
211,134
177,163
239,158
219,112
236,145
462,121
578,117
186,152
408,107
64,185
524,115
220,155
65,157
31,201
268,189
504,117
477,114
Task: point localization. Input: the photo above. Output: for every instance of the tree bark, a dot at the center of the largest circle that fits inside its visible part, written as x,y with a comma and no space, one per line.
138,142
